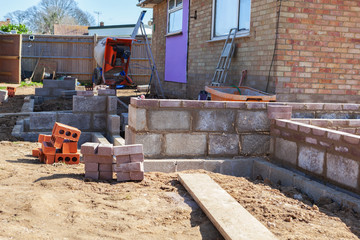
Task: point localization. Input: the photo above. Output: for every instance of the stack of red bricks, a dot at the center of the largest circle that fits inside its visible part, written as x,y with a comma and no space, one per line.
98,159
102,160
129,162
60,146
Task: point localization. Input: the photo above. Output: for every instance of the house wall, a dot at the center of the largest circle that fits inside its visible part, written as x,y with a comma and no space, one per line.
254,53
319,51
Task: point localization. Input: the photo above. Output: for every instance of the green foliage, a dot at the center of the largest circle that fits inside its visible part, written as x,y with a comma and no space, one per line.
2,87
20,28
36,84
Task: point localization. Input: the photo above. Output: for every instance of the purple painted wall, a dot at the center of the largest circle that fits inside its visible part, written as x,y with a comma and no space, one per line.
176,51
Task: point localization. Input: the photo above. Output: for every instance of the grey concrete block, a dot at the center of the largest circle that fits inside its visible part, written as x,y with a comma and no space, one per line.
169,120
42,91
213,165
42,120
113,124
81,121
85,137
342,170
281,176
26,123
250,121
56,92
311,188
255,144
181,144
124,117
193,164
303,115
166,166
89,104
214,120
49,83
69,84
237,167
311,159
17,130
286,150
106,92
32,136
99,122
118,140
69,93
261,168
137,118
152,143
112,104
99,138
223,144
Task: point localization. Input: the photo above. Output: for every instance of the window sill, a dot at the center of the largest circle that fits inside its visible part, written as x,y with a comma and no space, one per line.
222,38
173,34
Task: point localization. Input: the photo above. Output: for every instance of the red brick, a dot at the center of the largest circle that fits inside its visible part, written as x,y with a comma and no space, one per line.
93,175
91,167
49,159
275,132
351,107
48,148
137,157
235,104
297,106
341,149
66,132
128,149
136,167
318,131
280,123
123,176
105,176
137,176
293,126
311,140
44,138
144,103
97,159
105,167
68,158
324,144
57,142
170,103
36,152
314,106
332,107
352,139
214,104
193,104
89,148
354,123
69,147
256,105
105,149
333,135
123,159
124,167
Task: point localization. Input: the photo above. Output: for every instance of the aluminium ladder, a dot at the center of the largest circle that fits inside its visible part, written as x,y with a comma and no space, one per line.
223,65
154,71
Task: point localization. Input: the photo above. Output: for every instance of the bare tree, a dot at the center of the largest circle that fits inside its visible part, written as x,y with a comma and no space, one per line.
41,18
17,17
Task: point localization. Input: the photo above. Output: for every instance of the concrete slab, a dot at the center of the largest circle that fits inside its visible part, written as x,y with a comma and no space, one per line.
229,217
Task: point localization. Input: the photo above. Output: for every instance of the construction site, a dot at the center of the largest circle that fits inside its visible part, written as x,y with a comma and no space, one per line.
110,138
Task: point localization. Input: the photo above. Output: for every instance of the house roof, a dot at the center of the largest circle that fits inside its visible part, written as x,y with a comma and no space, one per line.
148,3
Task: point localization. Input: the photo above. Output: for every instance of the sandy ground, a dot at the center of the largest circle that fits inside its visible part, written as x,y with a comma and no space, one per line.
39,201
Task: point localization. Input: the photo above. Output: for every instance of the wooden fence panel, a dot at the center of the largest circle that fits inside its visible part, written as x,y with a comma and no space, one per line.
74,56
10,58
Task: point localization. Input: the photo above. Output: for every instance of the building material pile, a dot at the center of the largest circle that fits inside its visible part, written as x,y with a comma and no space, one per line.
60,146
103,160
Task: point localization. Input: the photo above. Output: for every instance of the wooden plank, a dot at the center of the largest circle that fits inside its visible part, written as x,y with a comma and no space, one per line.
6,73
229,217
10,57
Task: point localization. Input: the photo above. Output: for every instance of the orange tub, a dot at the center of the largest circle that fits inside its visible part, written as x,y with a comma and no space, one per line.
232,94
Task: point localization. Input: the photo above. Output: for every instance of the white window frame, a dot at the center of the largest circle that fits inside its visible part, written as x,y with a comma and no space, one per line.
242,33
169,11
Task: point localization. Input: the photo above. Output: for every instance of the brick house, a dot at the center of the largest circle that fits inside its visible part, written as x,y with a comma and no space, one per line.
317,46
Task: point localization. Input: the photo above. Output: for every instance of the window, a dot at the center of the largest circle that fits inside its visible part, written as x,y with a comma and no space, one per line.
175,16
231,14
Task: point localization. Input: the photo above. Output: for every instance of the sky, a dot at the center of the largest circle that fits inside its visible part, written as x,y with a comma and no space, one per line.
112,12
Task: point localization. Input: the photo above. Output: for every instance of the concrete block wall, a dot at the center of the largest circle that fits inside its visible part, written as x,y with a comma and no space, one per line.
54,88
185,128
90,114
329,155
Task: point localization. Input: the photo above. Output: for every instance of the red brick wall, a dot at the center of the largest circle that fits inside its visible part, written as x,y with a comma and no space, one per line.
254,53
319,51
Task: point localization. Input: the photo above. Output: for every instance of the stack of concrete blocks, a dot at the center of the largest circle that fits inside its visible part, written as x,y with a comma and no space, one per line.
98,160
123,121
54,88
60,146
129,162
3,96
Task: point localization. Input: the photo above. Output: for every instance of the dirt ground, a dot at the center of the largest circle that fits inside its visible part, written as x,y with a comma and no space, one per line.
39,201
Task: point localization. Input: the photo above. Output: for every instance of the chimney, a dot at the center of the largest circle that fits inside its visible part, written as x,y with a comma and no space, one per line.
101,24
8,20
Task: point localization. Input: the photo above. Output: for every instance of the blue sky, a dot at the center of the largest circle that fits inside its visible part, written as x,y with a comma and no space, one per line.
113,12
